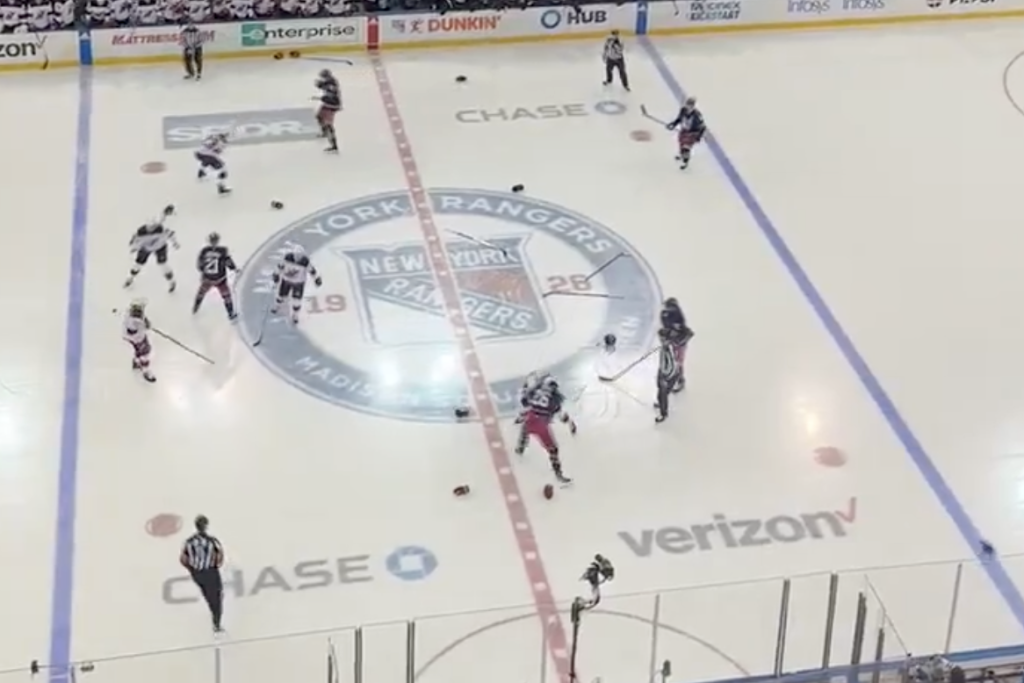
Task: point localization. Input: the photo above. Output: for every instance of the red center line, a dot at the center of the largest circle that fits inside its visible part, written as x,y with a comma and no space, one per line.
558,644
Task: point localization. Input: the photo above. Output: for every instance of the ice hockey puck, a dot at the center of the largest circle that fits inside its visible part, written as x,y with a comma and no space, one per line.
549,491
460,79
276,205
518,188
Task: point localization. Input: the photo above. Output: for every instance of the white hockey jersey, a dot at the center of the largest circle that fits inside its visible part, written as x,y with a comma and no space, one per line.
294,269
151,237
135,329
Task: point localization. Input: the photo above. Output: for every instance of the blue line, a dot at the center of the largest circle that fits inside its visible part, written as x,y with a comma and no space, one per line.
64,552
993,567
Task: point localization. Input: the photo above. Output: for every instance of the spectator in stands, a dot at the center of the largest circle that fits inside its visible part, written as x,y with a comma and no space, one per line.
24,16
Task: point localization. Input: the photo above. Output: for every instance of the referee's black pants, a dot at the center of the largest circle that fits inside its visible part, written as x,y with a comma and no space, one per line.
193,58
666,383
613,65
212,588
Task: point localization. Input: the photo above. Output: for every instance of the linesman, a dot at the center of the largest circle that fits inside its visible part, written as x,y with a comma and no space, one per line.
614,56
203,556
670,372
192,51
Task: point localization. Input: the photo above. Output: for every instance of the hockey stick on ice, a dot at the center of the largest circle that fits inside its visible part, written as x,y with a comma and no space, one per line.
334,60
623,371
588,278
648,115
604,265
483,243
181,345
592,295
263,326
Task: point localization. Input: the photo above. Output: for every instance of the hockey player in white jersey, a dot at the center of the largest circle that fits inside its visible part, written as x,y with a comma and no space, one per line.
151,239
291,275
136,333
210,158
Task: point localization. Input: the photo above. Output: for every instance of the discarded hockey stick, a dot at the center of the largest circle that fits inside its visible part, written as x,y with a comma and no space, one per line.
588,278
335,60
592,295
604,265
647,115
623,371
482,243
263,324
184,347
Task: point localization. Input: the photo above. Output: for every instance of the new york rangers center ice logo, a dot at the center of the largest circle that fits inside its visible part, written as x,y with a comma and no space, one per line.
376,337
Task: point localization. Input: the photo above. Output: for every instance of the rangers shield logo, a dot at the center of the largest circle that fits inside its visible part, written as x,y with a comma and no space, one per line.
500,294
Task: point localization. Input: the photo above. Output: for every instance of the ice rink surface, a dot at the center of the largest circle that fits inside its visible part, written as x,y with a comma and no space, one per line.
846,249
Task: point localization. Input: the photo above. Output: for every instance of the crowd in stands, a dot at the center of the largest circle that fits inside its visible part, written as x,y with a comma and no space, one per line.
27,16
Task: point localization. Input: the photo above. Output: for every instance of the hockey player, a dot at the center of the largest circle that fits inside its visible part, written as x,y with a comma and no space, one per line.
213,263
291,275
209,156
136,333
330,104
542,402
151,239
532,384
691,130
678,333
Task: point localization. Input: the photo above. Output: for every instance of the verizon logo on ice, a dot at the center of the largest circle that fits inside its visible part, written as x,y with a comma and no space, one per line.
722,533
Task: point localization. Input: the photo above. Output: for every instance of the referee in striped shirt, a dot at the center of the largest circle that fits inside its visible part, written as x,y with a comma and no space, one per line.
192,51
614,56
202,555
670,372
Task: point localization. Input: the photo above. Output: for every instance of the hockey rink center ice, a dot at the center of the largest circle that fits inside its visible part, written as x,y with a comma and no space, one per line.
845,244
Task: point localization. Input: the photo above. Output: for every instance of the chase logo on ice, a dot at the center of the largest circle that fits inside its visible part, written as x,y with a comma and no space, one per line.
377,337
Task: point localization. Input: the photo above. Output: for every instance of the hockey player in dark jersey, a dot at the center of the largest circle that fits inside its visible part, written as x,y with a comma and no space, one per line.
691,127
678,334
213,263
542,400
330,104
